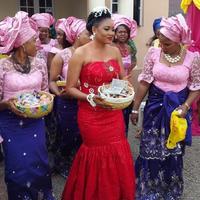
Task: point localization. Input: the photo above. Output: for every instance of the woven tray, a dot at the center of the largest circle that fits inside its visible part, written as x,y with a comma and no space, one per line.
117,103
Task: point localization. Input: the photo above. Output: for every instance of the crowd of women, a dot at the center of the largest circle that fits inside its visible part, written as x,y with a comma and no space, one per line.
88,139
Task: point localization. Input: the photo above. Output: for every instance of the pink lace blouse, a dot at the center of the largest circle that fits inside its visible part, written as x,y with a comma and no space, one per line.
13,82
65,54
47,47
44,49
127,63
173,78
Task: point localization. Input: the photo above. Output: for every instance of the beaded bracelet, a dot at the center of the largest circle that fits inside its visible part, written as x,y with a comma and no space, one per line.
90,99
186,104
135,111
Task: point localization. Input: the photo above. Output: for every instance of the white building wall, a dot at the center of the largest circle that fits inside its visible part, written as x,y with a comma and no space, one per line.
126,7
150,12
8,8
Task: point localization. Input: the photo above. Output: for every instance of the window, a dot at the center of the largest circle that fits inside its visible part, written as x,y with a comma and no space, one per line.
45,6
36,6
138,12
27,6
115,6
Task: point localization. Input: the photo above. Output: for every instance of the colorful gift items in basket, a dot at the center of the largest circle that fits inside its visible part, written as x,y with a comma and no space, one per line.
35,104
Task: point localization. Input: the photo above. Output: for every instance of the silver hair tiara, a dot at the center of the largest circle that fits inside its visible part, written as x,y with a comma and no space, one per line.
98,11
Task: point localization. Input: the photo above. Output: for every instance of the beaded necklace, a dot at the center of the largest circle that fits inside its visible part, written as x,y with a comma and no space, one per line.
174,59
23,68
123,50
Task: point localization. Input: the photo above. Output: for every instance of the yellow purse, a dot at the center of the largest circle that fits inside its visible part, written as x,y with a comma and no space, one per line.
178,128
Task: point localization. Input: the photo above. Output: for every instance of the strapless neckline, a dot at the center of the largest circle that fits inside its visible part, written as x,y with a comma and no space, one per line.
101,61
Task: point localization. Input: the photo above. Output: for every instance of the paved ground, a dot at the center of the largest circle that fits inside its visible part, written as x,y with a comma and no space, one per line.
191,171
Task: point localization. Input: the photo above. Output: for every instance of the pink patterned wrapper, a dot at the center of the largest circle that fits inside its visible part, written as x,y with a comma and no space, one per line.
43,19
15,31
72,27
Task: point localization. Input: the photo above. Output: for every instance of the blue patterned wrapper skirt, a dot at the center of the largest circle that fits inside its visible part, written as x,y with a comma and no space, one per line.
68,134
158,169
27,173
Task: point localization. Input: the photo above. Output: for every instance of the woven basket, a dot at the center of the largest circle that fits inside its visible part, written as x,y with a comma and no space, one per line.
37,111
117,103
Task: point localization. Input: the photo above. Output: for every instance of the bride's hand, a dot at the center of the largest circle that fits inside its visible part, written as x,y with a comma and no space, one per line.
101,102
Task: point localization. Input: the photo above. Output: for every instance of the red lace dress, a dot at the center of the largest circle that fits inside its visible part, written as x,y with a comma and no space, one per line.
103,168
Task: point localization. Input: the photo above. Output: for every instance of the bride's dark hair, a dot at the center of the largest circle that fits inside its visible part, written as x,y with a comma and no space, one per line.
96,16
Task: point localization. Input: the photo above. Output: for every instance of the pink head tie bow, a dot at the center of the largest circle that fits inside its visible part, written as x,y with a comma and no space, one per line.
124,20
61,24
15,31
43,19
176,29
72,27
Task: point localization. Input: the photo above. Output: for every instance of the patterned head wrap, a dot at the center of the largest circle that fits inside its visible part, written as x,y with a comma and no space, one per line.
43,19
176,29
124,20
72,27
15,31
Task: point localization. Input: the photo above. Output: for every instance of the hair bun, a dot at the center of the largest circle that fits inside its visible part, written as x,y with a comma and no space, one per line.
97,15
101,10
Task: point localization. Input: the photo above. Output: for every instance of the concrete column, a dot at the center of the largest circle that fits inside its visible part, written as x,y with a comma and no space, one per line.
108,3
126,7
92,4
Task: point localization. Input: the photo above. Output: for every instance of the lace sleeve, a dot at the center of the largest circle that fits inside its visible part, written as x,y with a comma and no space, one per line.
1,81
147,73
43,68
194,79
65,54
4,67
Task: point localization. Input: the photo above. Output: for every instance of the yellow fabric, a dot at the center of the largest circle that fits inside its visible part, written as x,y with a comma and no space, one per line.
156,43
3,56
178,127
185,4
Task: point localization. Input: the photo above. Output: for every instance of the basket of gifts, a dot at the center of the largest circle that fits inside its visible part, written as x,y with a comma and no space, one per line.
34,104
118,94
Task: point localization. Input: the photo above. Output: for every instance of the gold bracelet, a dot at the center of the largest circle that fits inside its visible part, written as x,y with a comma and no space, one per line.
186,104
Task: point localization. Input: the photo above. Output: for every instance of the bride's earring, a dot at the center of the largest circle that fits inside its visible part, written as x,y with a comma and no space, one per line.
92,37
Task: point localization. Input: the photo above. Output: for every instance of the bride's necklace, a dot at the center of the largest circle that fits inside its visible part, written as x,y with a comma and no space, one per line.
174,59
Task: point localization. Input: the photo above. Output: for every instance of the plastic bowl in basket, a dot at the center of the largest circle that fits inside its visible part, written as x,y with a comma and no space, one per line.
61,83
35,104
117,101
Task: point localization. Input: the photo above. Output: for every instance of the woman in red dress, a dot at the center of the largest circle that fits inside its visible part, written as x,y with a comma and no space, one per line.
103,167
